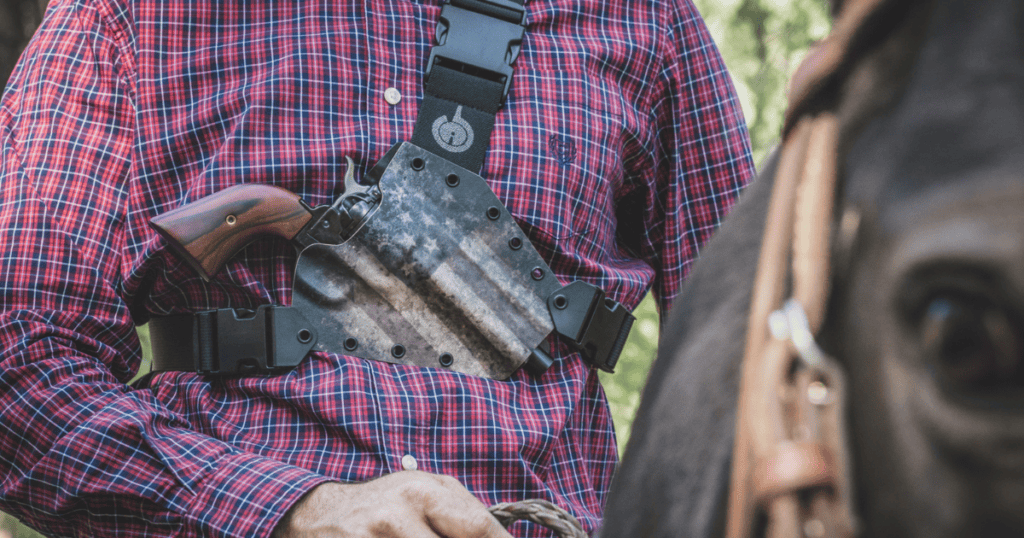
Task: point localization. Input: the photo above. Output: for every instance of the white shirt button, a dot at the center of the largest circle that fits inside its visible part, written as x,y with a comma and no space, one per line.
409,463
392,96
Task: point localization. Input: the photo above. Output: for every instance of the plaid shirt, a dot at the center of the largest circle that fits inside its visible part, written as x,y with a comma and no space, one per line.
618,151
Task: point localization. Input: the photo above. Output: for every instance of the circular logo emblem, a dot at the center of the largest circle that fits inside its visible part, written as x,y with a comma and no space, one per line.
456,135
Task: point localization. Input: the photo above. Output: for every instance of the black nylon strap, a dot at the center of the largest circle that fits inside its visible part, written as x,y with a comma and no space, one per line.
457,116
467,78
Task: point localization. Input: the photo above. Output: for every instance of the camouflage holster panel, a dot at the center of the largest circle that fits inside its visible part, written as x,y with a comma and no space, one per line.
439,275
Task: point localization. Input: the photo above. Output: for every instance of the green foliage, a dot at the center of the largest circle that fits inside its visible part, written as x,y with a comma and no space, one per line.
762,42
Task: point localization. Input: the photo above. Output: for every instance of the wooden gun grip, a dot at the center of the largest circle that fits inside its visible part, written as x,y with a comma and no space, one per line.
208,231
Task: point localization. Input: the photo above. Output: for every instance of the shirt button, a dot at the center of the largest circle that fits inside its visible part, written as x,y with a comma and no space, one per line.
409,462
392,96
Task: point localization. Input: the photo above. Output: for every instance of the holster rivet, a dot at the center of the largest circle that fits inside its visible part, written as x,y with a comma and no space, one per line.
351,344
446,359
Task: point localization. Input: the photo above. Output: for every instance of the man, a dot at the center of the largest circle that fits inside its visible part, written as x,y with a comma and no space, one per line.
619,148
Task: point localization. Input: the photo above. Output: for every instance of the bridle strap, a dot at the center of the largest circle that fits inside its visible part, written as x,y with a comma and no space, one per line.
790,466
831,59
790,456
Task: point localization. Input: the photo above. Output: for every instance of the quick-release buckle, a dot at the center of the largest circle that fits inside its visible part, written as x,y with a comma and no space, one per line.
480,37
270,340
594,324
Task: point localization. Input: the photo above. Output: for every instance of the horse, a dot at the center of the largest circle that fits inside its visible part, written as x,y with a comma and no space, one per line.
921,314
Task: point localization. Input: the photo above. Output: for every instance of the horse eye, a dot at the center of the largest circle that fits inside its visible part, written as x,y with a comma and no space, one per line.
972,343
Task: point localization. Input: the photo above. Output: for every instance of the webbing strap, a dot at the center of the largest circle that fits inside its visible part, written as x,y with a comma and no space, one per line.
468,77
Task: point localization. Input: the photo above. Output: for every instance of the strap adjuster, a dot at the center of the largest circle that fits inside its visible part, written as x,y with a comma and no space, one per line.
270,340
480,37
596,326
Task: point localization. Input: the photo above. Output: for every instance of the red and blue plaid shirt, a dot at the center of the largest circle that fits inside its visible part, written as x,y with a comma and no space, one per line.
618,151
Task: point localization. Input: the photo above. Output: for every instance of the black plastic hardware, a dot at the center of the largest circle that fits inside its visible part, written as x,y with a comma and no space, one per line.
470,38
271,340
594,325
267,341
538,362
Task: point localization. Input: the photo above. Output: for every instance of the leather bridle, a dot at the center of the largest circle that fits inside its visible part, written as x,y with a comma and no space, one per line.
790,467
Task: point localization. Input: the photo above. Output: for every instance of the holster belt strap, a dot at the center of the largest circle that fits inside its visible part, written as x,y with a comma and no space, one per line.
275,339
468,77
269,340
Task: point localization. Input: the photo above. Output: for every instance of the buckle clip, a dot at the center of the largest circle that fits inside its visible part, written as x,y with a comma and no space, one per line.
270,340
484,41
596,326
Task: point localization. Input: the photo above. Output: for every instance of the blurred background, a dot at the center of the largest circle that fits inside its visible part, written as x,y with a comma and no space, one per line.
762,42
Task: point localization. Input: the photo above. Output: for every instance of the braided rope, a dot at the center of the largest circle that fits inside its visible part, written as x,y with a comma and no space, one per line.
542,512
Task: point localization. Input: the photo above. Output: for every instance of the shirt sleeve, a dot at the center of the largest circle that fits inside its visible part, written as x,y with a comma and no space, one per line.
689,173
81,453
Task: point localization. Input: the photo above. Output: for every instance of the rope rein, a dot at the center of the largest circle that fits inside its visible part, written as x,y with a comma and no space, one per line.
541,512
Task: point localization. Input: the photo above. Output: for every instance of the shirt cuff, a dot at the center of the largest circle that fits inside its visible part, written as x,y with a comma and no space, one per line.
246,496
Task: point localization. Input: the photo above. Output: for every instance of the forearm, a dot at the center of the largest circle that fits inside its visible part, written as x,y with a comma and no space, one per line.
81,450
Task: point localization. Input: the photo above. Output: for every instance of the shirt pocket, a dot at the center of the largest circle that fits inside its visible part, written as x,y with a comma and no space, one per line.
557,158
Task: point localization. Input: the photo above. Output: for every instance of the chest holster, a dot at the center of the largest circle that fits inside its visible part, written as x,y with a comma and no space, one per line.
467,80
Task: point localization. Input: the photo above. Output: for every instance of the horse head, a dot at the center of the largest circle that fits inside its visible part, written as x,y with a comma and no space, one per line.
917,110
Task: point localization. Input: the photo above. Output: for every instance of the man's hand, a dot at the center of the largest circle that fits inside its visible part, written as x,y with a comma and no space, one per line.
409,504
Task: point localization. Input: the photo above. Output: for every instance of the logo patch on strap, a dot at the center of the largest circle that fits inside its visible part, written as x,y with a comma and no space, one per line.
456,135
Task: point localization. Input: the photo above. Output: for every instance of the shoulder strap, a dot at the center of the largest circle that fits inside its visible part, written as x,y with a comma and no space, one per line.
468,77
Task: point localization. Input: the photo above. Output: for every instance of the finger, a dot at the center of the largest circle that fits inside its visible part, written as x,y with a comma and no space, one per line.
403,527
456,513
